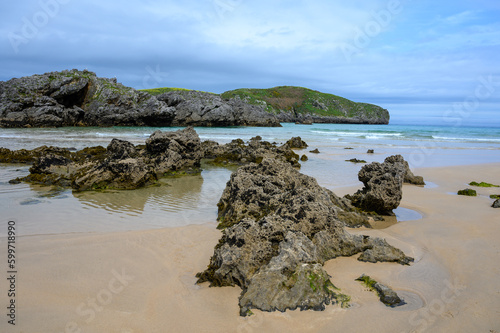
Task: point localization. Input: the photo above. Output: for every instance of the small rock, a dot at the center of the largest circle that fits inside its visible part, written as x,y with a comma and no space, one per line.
387,296
496,204
304,158
370,151
315,151
296,142
355,160
468,192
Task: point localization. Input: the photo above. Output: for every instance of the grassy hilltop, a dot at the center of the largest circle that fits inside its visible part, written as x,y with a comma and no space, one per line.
298,100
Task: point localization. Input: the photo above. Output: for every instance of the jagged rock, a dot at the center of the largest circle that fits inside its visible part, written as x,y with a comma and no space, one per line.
291,279
380,250
119,166
271,187
496,204
236,152
296,142
280,227
80,98
409,177
383,183
196,108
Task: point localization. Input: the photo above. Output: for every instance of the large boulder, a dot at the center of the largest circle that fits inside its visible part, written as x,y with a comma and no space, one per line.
383,185
280,227
273,187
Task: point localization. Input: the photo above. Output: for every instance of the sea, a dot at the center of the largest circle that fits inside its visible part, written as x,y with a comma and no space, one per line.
192,200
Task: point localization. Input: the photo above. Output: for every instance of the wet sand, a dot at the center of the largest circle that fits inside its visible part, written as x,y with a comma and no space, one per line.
143,281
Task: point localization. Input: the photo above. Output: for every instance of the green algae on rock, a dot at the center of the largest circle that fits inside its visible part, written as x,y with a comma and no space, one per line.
387,296
482,184
468,192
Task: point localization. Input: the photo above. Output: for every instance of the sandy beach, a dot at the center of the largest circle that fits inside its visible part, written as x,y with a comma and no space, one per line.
143,281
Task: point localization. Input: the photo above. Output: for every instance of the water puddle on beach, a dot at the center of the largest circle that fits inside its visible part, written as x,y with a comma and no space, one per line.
51,210
402,214
413,301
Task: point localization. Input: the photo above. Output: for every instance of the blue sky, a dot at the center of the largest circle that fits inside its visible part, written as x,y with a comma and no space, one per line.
426,61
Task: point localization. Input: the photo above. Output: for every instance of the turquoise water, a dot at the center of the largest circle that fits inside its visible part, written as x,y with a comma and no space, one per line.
41,210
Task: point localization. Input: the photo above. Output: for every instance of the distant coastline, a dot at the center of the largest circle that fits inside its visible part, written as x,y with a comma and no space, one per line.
80,98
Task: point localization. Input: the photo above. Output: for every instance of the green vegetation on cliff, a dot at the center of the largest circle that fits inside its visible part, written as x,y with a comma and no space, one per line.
159,91
303,101
298,101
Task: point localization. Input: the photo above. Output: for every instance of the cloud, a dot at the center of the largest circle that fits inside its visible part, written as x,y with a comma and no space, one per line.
426,52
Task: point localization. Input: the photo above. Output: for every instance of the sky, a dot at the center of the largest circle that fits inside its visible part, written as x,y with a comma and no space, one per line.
427,62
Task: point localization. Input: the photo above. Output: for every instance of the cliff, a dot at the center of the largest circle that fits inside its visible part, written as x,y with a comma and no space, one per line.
80,98
297,104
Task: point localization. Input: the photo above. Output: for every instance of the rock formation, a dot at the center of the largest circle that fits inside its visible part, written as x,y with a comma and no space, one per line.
255,191
387,296
383,183
119,166
296,142
197,108
80,98
280,226
237,152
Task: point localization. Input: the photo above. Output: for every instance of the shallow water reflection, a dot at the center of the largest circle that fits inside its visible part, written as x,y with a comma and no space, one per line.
176,202
401,214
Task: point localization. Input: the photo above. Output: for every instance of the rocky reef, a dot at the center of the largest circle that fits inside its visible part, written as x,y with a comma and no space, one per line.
383,185
280,226
80,98
119,166
237,152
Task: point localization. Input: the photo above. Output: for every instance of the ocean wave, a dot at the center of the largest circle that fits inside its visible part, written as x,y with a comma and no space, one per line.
447,138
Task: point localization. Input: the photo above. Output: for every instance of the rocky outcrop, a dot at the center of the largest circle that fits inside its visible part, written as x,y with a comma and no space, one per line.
237,152
496,204
119,166
197,108
383,184
409,177
255,191
279,228
80,98
297,142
